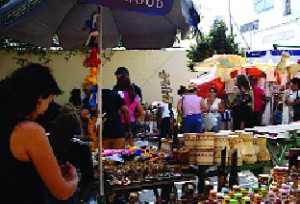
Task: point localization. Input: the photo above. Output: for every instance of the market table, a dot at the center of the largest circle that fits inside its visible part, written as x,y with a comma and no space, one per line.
203,172
164,183
278,147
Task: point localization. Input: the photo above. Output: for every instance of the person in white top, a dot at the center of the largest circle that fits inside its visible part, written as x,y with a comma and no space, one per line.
294,101
215,106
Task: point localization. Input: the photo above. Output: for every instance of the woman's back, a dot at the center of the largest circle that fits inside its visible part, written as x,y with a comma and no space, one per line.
191,104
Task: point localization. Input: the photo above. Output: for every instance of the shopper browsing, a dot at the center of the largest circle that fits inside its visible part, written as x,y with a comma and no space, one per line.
191,108
28,163
241,102
215,106
133,102
66,149
113,134
123,72
294,101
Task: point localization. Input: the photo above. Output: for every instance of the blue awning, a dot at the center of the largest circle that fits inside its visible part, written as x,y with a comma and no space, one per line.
263,53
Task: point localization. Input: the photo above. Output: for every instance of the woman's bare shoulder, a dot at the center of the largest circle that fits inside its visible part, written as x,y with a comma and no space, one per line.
25,136
30,127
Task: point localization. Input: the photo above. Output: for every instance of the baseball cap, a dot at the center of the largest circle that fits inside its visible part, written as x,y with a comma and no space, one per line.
122,71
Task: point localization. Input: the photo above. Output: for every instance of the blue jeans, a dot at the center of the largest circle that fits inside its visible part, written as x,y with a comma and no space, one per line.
192,123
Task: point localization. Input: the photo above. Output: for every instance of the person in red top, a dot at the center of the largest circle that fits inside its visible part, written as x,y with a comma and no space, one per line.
259,101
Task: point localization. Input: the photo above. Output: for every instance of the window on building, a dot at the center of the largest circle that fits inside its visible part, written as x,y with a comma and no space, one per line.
263,5
287,7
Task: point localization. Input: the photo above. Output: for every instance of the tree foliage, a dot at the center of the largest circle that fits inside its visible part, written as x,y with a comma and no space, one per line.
24,49
216,42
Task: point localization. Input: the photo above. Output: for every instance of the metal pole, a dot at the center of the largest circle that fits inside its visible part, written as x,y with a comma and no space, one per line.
229,10
99,102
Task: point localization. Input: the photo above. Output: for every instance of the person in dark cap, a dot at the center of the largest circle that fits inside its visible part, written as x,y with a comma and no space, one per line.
63,129
123,72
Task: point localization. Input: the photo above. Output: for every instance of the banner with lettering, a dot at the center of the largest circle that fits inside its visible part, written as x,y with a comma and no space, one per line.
152,7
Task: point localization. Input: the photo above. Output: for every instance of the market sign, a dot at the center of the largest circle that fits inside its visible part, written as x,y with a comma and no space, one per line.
153,7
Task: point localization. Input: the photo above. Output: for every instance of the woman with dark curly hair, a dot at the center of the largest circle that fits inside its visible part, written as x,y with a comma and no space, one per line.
215,106
28,163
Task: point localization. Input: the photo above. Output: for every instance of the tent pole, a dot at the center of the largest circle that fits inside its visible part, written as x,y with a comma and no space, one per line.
101,198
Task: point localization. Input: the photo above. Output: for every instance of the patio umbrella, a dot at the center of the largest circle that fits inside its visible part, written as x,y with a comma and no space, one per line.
222,65
37,21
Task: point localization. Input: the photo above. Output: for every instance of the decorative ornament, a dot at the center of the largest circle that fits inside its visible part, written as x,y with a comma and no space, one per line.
294,68
90,81
281,66
92,60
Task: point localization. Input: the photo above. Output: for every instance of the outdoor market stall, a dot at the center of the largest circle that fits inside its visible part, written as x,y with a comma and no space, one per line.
198,158
139,26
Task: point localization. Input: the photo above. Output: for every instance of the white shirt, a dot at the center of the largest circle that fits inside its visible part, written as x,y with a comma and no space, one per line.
294,97
165,110
214,106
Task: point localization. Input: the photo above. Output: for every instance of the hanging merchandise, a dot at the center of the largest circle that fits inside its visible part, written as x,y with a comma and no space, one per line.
281,66
93,60
90,87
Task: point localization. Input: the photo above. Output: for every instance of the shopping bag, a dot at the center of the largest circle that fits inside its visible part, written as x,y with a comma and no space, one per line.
209,121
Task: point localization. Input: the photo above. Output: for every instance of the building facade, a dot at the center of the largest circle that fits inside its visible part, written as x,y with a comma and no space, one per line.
275,22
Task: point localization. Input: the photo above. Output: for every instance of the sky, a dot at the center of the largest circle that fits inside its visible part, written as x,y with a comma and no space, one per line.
210,9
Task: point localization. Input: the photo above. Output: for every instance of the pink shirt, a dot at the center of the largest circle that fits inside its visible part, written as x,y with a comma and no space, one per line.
191,104
131,106
258,95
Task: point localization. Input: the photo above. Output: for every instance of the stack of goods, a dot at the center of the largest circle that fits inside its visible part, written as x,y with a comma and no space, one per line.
236,144
282,187
190,147
221,142
249,155
205,148
262,151
122,155
126,166
205,143
138,172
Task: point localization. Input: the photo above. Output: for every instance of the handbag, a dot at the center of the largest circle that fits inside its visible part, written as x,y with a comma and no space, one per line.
209,121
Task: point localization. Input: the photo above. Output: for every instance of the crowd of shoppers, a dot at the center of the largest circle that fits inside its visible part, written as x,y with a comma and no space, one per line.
43,169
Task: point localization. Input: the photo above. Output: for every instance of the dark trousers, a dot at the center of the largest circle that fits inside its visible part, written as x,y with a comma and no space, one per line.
165,127
240,116
257,117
